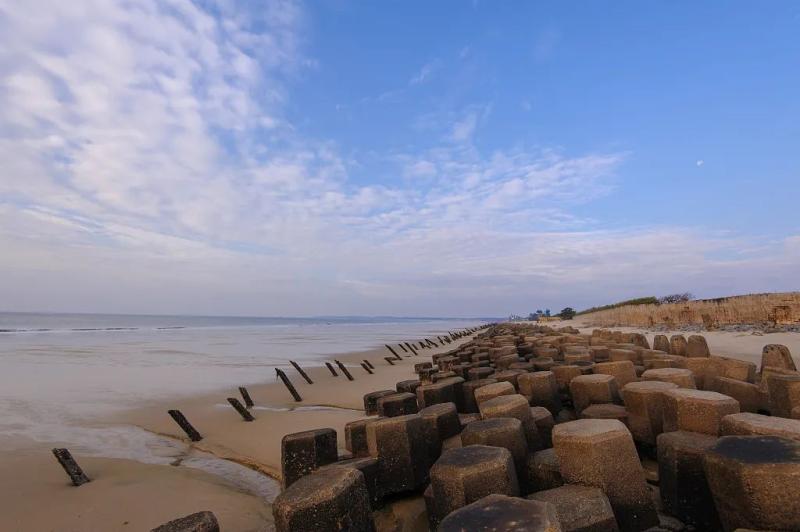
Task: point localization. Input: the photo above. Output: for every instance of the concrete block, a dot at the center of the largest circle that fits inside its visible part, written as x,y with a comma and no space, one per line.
683,486
755,481
399,445
541,389
601,453
696,410
580,508
587,390
622,371
644,402
303,452
333,499
397,404
499,512
684,378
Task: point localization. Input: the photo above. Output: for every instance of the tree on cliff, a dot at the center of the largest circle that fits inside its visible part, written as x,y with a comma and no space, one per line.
567,314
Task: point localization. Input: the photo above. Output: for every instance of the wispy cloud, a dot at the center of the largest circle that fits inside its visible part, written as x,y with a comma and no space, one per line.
425,72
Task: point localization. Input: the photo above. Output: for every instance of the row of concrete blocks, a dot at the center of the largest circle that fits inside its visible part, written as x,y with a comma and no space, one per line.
729,376
750,480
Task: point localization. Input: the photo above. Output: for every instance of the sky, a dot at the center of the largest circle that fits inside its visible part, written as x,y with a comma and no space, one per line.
450,158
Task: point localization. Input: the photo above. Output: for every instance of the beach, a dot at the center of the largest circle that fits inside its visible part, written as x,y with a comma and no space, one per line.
144,469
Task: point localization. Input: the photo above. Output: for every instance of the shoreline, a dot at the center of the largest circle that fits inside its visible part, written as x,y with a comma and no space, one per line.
330,401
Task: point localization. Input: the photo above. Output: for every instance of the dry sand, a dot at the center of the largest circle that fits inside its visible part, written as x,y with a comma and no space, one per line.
128,495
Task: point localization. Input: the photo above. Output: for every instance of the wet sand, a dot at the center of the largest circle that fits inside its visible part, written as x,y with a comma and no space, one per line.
130,495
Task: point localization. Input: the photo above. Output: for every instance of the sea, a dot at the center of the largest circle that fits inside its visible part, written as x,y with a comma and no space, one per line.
57,371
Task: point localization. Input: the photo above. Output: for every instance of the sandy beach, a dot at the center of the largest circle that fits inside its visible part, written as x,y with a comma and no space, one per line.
131,495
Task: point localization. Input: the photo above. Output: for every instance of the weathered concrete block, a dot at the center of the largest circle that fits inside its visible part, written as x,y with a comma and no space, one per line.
509,375
514,406
754,481
661,343
696,410
397,404
475,374
697,346
371,401
544,471
445,391
580,508
616,355
623,371
682,480
508,433
409,386
704,369
678,345
355,437
751,398
368,466
748,424
490,391
442,375
571,358
734,369
684,378
593,389
399,445
333,499
463,476
605,411
601,453
644,402
499,512
564,374
468,390
777,356
543,419
303,452
784,394
541,389
600,353
441,422
543,364
422,365
197,522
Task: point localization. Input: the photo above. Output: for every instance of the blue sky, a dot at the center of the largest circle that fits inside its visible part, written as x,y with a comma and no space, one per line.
417,158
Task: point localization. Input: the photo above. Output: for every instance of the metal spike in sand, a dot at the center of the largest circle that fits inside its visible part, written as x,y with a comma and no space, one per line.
344,370
366,368
330,368
76,474
368,363
248,401
398,357
288,384
404,347
413,350
183,423
301,372
239,407
390,360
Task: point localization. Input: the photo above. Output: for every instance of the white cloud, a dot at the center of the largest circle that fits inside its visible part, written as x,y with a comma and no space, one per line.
147,155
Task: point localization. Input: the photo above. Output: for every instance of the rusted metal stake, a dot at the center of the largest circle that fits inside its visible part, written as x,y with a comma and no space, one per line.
301,372
390,360
288,384
330,368
413,350
404,347
187,427
398,357
366,368
344,370
247,416
76,474
248,401
368,363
